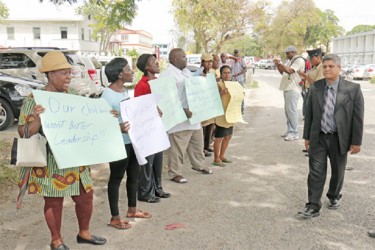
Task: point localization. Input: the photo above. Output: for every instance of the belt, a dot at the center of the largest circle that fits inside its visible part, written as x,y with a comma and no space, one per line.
329,133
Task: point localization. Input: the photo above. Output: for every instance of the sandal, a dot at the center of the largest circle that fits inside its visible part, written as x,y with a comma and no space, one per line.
119,224
226,160
139,214
218,164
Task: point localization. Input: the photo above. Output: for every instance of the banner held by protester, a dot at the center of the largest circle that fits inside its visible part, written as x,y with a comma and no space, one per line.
79,130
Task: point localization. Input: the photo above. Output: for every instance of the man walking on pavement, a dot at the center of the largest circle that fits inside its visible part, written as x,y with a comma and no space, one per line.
333,127
290,86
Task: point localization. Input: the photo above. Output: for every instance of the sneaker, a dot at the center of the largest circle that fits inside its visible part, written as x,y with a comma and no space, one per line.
291,137
284,135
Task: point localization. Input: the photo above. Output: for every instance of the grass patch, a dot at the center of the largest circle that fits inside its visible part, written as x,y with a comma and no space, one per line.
8,173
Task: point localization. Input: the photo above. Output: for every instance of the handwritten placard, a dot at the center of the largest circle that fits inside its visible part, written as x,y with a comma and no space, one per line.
80,131
169,103
233,112
203,98
147,131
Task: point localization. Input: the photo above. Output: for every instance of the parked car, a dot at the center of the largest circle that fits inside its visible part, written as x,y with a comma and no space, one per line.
12,92
346,67
192,68
359,71
194,59
92,69
25,62
265,64
370,71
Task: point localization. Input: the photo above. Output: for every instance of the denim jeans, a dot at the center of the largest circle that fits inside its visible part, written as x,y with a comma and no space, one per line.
291,101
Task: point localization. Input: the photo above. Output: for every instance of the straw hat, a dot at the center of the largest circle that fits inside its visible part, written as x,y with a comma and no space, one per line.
54,60
207,57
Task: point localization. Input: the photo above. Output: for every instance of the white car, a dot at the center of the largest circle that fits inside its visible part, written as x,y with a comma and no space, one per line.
370,71
26,61
359,71
265,64
91,65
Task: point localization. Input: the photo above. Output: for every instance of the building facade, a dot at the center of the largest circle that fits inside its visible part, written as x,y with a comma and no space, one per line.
72,33
127,40
163,49
355,49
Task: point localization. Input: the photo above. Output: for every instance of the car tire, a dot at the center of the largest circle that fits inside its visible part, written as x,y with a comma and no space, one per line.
6,115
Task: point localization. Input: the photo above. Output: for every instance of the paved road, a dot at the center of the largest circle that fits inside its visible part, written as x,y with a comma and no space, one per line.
250,204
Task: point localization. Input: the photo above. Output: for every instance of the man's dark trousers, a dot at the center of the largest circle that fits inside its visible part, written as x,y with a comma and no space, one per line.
328,147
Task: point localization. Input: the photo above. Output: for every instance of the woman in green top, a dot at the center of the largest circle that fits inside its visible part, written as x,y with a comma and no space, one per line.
50,182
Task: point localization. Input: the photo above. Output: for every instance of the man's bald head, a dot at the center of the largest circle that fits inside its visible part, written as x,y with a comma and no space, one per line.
177,58
223,57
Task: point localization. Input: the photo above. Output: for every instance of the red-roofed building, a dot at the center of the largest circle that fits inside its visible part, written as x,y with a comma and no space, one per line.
127,39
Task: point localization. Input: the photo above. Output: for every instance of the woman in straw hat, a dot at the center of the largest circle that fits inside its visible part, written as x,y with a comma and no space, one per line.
50,182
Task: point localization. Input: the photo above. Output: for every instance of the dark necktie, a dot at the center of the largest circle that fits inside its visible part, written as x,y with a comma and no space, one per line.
328,113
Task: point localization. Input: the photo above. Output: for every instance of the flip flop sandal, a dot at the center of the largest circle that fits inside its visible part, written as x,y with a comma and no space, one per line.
226,161
219,164
120,224
139,214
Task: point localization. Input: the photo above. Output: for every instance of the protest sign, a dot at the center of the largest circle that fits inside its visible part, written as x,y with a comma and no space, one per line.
169,103
203,98
80,131
233,112
147,131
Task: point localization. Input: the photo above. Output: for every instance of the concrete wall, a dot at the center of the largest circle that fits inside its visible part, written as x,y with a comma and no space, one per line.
356,48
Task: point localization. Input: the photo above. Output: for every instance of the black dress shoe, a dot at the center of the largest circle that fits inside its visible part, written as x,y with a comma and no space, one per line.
207,154
95,240
310,213
304,210
62,246
163,195
150,200
371,233
334,204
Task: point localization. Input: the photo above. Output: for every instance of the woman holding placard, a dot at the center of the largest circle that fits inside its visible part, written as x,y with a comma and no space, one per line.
224,130
118,72
50,182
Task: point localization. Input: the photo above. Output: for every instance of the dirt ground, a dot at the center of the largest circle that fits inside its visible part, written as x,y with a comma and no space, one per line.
249,204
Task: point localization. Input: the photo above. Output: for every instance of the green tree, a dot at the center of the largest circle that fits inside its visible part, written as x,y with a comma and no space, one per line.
133,54
4,11
361,28
109,16
211,23
289,26
246,44
59,2
261,14
324,30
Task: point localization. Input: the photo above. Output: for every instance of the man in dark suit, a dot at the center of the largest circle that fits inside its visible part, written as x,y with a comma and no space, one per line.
333,127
